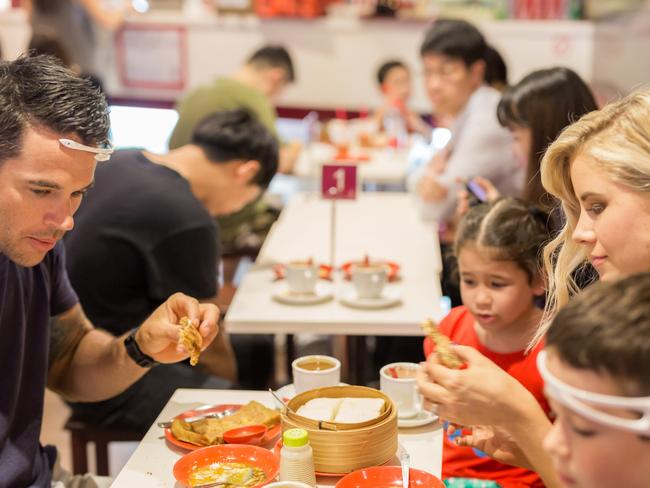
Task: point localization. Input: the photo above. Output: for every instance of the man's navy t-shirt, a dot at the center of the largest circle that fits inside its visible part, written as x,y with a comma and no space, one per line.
28,298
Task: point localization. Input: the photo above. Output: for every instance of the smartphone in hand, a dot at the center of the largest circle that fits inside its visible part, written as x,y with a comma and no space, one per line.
477,194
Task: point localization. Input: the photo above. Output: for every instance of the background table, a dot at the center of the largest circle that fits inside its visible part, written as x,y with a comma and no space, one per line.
152,462
386,166
382,225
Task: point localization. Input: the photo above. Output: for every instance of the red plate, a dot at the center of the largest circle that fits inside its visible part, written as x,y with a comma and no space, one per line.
393,268
228,453
388,477
271,434
276,451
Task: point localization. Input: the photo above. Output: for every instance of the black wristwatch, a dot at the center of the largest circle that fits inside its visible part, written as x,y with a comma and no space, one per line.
135,353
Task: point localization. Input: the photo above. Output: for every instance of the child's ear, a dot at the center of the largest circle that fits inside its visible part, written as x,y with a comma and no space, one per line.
538,286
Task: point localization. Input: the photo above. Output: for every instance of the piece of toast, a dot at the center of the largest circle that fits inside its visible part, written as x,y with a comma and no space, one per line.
207,432
191,339
445,352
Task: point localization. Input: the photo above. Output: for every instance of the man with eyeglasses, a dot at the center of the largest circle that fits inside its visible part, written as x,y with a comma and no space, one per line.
53,130
454,60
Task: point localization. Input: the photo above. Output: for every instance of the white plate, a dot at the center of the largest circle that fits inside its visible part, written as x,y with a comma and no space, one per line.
424,417
389,298
322,294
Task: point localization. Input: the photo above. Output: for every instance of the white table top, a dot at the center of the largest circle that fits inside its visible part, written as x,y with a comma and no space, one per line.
383,225
386,166
152,462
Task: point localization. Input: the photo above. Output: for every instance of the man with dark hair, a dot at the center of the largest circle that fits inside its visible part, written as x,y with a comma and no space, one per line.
253,86
454,57
53,130
148,228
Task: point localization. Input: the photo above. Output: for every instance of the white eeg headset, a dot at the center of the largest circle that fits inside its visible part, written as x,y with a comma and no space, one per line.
585,403
101,153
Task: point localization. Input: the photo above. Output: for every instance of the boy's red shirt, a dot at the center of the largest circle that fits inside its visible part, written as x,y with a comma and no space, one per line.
465,462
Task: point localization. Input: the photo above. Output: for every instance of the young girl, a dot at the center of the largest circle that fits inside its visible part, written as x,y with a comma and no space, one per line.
595,366
498,247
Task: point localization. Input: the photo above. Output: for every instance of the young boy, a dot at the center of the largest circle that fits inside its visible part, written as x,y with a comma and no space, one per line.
394,80
596,369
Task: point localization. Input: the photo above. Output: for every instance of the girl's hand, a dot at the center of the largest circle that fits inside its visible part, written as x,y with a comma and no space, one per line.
496,443
481,394
490,190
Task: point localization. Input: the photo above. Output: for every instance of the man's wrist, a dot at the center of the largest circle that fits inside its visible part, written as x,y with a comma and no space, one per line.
136,353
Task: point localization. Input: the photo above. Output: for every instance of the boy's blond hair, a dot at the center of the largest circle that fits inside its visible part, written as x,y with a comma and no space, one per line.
616,141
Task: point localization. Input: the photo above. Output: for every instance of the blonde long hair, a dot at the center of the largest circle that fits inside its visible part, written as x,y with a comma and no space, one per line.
616,140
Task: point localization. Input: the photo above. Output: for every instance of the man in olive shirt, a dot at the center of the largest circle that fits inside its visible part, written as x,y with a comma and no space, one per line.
254,86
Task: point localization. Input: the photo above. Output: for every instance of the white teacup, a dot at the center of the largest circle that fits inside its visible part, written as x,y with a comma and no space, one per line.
311,372
302,276
402,390
369,280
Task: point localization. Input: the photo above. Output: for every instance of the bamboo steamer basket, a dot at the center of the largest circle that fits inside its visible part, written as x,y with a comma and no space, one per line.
346,447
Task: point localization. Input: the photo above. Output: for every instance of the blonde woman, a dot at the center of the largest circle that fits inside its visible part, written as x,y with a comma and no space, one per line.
599,169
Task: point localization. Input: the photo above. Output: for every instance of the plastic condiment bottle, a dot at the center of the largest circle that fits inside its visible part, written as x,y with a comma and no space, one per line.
297,457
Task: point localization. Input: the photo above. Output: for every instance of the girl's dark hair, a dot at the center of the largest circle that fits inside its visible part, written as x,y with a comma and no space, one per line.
46,5
545,101
510,229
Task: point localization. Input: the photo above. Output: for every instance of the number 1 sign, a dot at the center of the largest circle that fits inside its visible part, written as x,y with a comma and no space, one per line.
339,182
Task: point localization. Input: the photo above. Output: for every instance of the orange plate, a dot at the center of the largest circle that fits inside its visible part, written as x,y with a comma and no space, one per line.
257,457
276,451
393,268
388,477
271,434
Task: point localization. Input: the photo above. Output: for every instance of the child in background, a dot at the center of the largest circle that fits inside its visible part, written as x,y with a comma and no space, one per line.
394,117
498,246
596,368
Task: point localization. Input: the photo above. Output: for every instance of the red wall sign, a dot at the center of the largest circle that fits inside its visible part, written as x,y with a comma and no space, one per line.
339,182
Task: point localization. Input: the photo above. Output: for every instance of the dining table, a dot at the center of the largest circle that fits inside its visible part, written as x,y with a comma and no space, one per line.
382,226
151,464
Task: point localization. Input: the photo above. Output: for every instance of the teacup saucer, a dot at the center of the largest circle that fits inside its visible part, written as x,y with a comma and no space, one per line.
423,417
389,298
322,294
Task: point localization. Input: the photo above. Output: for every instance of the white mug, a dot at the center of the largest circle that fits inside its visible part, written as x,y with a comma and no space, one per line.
402,390
315,371
302,276
369,280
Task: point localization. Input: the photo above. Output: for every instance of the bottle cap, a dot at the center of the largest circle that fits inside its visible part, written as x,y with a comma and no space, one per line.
295,437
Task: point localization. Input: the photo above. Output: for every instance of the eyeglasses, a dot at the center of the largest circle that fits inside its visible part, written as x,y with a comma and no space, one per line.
584,402
101,153
447,71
